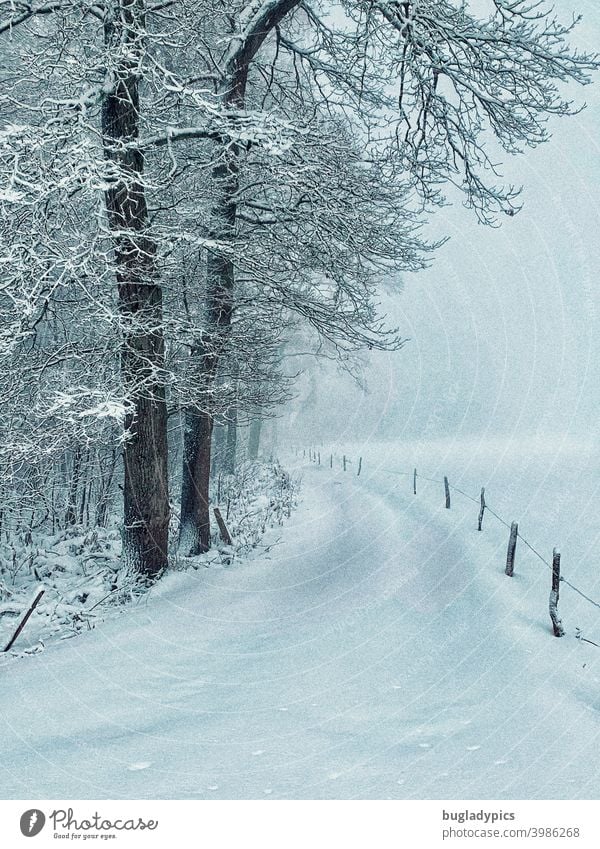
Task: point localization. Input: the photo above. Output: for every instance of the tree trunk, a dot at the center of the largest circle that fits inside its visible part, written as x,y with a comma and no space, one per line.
71,511
220,277
106,479
254,439
145,490
194,530
218,447
231,445
194,533
232,427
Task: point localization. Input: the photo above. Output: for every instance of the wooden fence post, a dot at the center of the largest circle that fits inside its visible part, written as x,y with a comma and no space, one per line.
24,620
481,509
415,482
557,625
223,532
319,457
510,554
344,461
359,466
331,461
447,491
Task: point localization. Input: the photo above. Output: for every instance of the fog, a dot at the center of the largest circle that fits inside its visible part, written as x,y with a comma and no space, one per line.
503,325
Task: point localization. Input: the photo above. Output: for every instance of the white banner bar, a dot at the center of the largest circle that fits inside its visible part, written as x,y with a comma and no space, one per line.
301,824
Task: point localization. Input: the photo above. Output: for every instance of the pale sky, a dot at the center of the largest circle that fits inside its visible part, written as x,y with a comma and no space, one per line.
504,325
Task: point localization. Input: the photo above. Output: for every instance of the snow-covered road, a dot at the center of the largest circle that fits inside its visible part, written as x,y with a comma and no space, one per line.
365,655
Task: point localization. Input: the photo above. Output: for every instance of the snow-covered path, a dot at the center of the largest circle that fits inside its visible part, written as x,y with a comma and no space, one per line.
364,656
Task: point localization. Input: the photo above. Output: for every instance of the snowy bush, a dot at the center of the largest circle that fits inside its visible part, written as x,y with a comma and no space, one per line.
81,572
256,498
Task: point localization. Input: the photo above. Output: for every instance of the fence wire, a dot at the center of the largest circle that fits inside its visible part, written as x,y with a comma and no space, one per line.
496,516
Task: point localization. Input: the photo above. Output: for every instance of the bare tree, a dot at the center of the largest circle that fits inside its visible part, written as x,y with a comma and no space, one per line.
289,152
423,84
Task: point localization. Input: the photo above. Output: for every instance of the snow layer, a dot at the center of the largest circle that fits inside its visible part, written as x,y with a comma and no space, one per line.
377,651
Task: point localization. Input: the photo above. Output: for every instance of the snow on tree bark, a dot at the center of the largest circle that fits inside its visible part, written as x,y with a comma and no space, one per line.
145,488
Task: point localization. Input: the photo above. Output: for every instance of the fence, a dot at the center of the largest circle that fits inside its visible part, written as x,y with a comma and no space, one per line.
555,566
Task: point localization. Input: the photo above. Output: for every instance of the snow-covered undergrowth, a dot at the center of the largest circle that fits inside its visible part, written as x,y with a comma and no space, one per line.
259,496
375,650
79,573
80,570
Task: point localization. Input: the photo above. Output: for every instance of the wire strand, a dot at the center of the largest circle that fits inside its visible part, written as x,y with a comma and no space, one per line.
503,522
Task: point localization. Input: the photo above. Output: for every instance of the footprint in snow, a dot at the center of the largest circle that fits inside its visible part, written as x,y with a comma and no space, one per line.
258,752
137,766
473,748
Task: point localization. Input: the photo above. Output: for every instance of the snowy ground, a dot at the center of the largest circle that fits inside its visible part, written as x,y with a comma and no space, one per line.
377,651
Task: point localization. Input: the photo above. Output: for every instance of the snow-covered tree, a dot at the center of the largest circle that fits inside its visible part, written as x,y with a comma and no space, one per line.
284,148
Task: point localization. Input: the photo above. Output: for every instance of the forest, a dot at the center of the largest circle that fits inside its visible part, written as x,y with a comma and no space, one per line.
206,206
